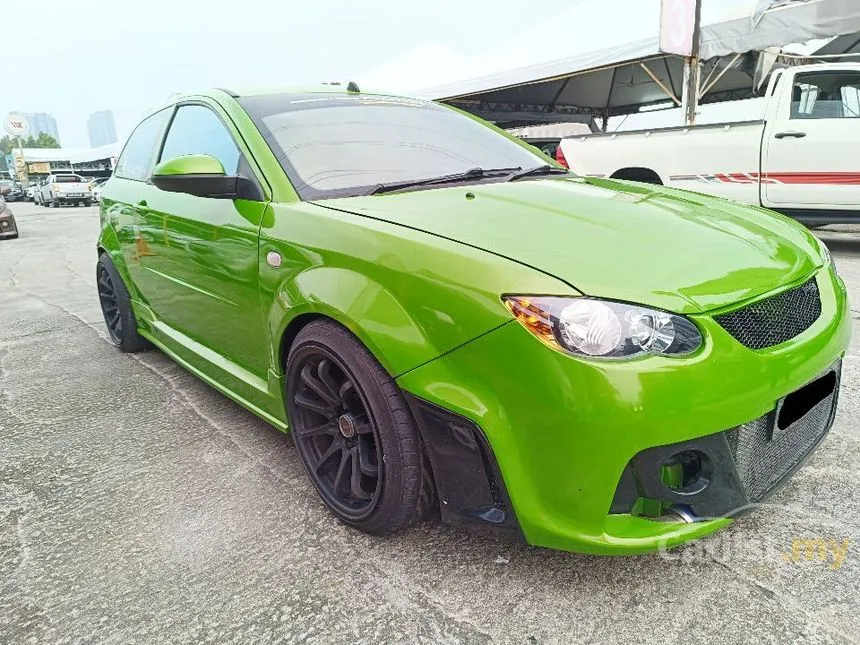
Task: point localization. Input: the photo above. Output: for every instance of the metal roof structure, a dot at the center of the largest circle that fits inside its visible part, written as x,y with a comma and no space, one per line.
73,155
622,79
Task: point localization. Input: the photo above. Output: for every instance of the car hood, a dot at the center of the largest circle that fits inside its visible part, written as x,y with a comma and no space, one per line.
670,249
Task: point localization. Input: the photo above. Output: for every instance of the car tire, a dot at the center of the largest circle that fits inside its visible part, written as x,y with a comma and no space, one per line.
354,432
116,308
87,203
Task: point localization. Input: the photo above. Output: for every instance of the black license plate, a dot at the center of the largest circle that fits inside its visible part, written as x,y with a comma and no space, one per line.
797,404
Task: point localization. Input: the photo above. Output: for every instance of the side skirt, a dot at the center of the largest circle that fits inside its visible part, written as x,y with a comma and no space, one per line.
260,395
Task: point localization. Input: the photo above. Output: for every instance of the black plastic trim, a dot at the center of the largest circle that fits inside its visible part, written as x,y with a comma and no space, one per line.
724,495
469,485
212,186
820,216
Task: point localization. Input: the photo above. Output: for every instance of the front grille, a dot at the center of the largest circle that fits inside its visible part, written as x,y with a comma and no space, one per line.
764,453
776,319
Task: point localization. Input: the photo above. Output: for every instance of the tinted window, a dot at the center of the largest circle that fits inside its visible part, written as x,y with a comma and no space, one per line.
136,159
198,130
332,145
826,95
67,179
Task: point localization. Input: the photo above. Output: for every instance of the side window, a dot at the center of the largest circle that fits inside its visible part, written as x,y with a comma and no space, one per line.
136,159
198,130
826,95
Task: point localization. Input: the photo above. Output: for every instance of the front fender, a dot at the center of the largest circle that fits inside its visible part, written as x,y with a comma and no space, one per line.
407,295
365,307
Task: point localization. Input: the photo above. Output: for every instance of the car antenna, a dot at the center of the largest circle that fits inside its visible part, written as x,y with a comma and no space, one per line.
351,86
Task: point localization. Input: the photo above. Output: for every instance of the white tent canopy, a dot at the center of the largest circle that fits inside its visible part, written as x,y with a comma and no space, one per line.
623,78
73,155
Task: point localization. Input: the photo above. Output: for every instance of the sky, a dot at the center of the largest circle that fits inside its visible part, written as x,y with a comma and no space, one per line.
129,57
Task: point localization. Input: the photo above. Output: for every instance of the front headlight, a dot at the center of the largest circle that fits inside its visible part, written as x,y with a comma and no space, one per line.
826,255
602,328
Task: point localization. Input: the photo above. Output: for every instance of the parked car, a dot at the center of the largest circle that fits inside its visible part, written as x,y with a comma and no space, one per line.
441,318
56,190
96,187
8,226
30,192
800,160
11,190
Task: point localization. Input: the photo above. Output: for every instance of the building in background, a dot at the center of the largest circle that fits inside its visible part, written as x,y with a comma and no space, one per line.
101,128
41,122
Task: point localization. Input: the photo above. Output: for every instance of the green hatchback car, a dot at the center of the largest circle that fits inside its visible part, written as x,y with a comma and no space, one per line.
445,319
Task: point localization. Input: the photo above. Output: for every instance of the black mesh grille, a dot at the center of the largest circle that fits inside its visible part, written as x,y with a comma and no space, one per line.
774,320
764,454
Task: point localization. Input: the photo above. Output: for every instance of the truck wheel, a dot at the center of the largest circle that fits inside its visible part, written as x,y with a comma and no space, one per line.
87,202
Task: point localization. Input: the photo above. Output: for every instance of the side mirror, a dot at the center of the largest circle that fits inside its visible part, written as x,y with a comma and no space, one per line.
202,176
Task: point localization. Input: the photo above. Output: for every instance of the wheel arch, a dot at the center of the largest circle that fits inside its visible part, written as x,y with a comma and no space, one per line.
638,173
108,242
399,337
294,326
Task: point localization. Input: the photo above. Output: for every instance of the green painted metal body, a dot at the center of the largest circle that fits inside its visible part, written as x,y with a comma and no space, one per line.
189,165
418,278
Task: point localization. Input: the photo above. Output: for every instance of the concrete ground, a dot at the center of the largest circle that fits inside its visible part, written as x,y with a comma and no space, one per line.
138,505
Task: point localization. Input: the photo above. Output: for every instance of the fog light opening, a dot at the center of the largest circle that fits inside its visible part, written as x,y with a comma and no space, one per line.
687,472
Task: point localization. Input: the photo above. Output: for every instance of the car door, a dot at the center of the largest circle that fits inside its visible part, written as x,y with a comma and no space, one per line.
201,271
119,204
809,158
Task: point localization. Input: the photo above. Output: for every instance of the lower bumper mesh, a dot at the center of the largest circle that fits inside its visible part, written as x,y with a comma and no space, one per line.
739,466
764,453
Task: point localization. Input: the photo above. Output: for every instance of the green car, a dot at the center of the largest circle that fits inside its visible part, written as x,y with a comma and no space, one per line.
447,321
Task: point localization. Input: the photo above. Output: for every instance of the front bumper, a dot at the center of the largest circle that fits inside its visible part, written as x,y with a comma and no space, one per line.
564,431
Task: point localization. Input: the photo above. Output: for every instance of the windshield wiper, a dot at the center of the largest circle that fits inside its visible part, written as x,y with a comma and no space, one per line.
472,173
538,170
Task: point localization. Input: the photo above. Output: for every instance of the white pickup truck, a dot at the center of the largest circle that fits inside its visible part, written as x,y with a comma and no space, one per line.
801,159
65,188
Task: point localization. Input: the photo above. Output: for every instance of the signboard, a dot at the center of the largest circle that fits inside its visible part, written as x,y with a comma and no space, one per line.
39,168
16,125
678,26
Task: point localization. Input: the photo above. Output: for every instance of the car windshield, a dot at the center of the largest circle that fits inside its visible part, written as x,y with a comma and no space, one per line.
335,145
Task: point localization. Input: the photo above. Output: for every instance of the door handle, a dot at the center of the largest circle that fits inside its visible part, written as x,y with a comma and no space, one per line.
793,135
142,207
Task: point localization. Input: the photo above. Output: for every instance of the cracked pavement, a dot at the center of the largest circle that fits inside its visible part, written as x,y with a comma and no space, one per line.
138,505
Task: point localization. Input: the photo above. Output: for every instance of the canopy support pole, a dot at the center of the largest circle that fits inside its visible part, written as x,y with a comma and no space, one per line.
690,102
692,71
708,84
661,84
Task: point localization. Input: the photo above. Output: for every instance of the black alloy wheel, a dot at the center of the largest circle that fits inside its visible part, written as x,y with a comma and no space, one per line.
334,432
116,307
110,304
354,432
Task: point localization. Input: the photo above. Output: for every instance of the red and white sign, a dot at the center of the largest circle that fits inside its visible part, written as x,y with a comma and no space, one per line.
677,26
16,125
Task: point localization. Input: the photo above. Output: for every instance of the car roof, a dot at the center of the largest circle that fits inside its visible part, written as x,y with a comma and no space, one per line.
220,93
327,88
